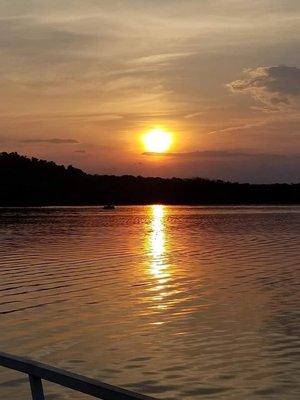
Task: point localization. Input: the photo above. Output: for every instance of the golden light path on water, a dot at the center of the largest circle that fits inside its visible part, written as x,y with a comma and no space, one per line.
157,244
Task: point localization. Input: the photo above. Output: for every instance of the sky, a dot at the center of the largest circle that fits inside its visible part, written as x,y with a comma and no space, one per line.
83,80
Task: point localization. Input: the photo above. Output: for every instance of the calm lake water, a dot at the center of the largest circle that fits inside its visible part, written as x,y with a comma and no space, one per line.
174,302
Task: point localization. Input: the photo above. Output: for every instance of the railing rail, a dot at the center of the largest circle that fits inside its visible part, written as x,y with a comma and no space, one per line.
37,372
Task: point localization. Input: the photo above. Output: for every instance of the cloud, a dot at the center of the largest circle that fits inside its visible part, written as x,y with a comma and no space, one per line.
161,59
196,154
193,115
239,127
241,166
217,154
53,141
276,87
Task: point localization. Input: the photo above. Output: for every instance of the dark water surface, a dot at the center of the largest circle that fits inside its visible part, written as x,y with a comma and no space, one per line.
174,302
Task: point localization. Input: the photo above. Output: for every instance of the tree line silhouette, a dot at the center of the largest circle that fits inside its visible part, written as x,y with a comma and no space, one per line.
32,182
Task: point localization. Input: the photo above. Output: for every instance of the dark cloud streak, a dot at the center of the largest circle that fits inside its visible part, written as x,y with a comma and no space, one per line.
52,141
217,153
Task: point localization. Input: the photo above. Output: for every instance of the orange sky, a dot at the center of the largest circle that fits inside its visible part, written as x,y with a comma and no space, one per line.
81,81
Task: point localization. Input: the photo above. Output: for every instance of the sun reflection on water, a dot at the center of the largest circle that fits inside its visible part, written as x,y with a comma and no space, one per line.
157,246
157,241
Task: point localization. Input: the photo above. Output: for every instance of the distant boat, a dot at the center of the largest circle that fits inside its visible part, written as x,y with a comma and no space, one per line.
109,207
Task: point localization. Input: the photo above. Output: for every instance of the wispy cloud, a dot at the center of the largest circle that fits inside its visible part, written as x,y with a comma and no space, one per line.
160,59
239,127
193,115
52,141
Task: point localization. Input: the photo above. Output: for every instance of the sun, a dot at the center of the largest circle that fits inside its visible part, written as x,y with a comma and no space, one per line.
157,140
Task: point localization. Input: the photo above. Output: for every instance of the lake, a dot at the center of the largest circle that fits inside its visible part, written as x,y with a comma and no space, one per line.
174,302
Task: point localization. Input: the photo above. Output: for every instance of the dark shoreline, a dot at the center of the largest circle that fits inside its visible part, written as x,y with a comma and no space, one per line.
31,182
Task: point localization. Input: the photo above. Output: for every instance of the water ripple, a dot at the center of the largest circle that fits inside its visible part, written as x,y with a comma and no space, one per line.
192,302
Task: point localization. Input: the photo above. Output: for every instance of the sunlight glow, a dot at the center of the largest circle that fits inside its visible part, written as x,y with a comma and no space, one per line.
157,140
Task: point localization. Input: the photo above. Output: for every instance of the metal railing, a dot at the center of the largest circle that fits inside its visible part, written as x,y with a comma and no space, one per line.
37,372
